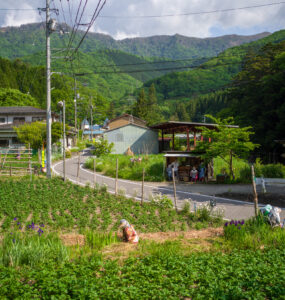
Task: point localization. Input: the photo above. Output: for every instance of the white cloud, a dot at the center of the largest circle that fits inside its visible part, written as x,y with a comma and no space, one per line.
17,18
121,35
246,21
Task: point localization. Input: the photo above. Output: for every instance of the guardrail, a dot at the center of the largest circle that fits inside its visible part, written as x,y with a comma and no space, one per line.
270,181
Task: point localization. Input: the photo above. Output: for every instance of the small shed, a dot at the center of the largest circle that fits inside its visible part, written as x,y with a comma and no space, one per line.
140,139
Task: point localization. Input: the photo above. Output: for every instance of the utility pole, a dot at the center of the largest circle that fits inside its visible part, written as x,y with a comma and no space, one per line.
61,104
48,100
91,120
75,109
50,27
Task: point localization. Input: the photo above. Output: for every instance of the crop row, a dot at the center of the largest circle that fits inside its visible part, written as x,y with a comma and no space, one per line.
237,275
66,206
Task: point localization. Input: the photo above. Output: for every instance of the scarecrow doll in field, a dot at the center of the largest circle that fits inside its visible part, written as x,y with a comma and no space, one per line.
129,233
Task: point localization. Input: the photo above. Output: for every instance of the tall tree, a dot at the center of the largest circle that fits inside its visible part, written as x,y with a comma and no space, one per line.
227,141
140,107
181,112
153,115
257,96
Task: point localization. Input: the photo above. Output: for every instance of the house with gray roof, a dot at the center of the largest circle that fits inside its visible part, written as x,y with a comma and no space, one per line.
14,116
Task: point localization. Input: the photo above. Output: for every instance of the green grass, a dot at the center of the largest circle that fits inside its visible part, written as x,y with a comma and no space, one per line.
31,249
153,165
220,165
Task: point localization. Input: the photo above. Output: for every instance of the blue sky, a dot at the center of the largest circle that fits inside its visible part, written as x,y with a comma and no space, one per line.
246,22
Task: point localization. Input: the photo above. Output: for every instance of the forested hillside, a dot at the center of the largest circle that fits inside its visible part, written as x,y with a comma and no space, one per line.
113,73
22,84
212,75
257,96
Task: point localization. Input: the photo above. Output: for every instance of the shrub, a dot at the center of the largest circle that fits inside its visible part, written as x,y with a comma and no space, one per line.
67,153
102,147
272,171
161,200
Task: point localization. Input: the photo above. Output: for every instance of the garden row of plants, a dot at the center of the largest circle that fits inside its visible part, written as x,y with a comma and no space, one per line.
65,206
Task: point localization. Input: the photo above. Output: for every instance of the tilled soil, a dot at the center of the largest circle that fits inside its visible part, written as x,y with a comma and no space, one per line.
72,239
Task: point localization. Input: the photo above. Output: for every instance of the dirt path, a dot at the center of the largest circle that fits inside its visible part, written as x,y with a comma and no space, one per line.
72,239
192,234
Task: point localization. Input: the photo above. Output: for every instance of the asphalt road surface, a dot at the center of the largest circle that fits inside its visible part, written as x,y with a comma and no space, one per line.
233,209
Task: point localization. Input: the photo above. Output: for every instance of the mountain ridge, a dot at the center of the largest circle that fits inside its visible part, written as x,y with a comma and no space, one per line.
29,38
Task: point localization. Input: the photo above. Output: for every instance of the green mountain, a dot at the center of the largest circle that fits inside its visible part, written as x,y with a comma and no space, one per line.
30,38
213,75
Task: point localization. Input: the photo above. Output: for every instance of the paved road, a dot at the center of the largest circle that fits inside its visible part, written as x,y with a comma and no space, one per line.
233,209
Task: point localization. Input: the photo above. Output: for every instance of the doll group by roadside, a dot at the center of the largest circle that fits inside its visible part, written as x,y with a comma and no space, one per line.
196,174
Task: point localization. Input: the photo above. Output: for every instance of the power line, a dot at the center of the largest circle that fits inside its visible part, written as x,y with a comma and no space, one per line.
169,61
193,13
97,11
19,9
157,70
168,68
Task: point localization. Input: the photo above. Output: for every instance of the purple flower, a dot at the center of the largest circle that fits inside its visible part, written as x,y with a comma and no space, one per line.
226,224
242,222
232,222
239,227
19,223
11,232
14,241
42,225
20,227
236,223
15,219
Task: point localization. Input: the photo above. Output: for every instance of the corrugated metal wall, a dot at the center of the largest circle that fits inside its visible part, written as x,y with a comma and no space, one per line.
140,140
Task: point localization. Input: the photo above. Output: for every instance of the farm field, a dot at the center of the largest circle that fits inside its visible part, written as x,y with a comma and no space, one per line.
58,242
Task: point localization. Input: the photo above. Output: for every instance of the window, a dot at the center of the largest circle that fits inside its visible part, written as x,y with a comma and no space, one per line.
19,119
35,119
2,120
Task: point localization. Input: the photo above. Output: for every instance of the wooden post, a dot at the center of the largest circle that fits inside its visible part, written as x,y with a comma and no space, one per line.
255,198
29,158
10,169
174,188
142,187
78,167
188,142
116,180
162,141
94,170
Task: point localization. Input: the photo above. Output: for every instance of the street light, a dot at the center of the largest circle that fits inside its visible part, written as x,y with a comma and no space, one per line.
61,104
